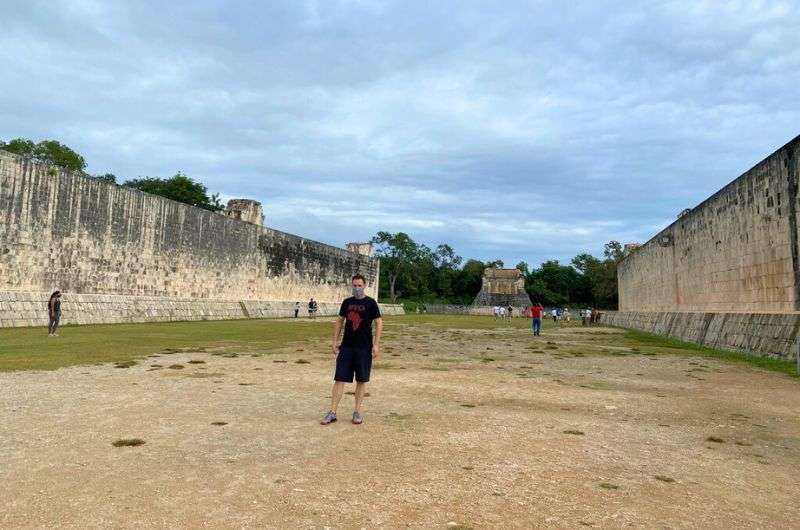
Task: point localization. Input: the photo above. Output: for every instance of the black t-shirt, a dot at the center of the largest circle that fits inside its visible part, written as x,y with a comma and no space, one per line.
358,315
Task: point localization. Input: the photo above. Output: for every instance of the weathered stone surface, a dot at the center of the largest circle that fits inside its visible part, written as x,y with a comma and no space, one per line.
25,308
62,230
735,252
763,334
246,210
502,287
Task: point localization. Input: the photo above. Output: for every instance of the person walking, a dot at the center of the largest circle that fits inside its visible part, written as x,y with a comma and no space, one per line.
296,309
357,349
54,312
510,312
554,314
536,318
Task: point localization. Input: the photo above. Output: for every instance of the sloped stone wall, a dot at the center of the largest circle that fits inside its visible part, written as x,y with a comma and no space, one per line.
762,334
25,308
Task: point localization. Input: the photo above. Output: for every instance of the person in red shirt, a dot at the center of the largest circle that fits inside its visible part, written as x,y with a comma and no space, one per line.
536,318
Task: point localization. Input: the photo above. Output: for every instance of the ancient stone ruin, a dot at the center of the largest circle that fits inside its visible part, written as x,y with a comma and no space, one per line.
121,255
503,287
246,210
725,274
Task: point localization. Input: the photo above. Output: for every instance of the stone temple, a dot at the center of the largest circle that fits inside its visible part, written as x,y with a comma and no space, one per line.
505,287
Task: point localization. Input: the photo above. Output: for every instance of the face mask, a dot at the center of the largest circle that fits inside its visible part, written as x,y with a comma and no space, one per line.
358,292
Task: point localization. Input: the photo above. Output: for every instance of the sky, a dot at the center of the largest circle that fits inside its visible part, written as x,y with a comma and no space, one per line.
511,130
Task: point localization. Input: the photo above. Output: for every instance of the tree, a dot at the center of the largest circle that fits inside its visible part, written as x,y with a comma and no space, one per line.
601,275
398,253
523,267
613,251
106,177
50,152
178,188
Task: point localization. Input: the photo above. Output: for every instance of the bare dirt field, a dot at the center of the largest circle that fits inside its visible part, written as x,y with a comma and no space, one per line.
466,426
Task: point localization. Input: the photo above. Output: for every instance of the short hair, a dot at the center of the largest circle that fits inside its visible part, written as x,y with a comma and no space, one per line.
359,276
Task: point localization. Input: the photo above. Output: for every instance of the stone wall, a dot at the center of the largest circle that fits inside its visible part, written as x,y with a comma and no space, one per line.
23,308
63,230
735,252
764,334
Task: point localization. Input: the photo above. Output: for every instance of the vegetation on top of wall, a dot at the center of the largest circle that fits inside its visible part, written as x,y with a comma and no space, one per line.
50,152
179,187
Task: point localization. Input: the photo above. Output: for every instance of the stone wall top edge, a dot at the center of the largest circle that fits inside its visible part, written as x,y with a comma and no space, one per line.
794,142
187,207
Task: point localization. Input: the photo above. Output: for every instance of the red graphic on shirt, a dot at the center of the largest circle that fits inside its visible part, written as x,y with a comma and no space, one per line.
354,316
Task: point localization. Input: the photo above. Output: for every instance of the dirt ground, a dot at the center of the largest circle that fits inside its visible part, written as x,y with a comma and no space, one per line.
464,428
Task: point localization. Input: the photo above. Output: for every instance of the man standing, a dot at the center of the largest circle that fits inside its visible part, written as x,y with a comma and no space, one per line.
355,353
536,318
296,309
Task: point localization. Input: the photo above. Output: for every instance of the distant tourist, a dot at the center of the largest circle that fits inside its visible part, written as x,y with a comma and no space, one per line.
536,318
554,314
589,315
502,311
355,353
496,312
312,308
54,312
510,312
567,315
296,309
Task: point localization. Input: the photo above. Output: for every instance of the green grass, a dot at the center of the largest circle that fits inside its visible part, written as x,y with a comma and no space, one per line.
32,349
642,338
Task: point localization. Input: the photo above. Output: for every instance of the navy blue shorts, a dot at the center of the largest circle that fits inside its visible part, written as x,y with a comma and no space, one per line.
353,361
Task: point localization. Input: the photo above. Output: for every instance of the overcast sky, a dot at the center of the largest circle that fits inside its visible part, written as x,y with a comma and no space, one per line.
512,130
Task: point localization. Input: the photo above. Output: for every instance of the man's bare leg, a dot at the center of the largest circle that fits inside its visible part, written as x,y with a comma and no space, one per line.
360,389
336,394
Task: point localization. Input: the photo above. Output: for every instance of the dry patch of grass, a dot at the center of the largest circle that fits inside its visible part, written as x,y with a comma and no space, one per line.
128,442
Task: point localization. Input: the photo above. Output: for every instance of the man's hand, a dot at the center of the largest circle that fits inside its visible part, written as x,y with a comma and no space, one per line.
335,349
376,351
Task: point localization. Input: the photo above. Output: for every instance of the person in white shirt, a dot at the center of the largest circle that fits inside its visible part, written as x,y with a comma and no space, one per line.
554,313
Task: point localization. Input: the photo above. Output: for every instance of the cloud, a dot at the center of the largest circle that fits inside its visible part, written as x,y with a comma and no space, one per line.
518,130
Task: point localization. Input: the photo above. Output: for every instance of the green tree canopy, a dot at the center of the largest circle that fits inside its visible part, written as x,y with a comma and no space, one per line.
50,152
178,188
399,254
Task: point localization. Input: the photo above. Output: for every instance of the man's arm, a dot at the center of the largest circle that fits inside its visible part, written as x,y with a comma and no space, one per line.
376,342
337,329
